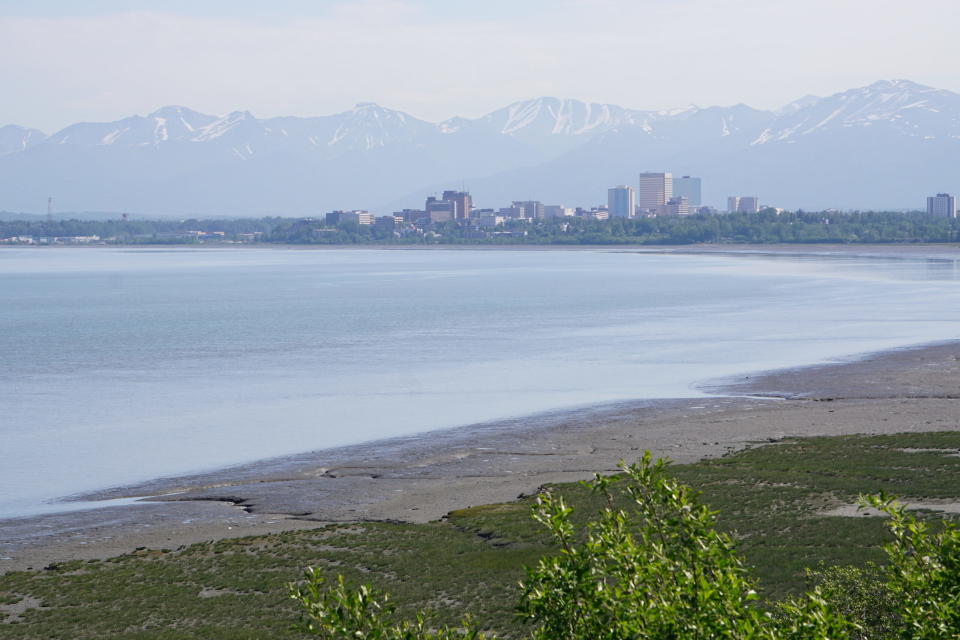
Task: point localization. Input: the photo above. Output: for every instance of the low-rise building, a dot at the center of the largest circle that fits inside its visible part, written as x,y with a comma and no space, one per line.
389,223
676,206
489,221
557,211
513,212
357,216
595,213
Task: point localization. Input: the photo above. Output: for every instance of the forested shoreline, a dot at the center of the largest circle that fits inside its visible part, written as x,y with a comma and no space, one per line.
766,227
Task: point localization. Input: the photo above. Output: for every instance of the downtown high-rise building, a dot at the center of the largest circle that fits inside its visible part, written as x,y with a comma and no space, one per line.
462,203
688,187
942,204
620,202
655,189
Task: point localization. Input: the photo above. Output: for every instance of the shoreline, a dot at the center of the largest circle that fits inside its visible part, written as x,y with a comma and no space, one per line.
948,250
422,477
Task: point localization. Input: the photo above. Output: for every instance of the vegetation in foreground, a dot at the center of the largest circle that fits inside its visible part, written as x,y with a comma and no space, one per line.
772,500
652,565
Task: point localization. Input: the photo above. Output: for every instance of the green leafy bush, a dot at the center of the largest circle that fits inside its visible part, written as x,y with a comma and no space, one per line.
652,565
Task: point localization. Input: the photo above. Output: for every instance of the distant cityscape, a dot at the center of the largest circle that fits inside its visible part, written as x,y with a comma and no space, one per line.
658,195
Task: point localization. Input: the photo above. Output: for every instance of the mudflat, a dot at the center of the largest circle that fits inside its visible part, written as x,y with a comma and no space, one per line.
421,478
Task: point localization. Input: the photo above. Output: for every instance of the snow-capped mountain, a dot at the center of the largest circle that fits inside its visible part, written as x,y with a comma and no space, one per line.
14,138
901,106
164,125
884,145
556,117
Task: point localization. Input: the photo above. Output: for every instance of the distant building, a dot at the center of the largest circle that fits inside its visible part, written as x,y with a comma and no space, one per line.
513,212
689,188
531,208
749,204
556,211
489,221
439,215
743,204
620,201
388,223
677,206
439,210
654,190
462,203
357,216
942,204
596,213
411,215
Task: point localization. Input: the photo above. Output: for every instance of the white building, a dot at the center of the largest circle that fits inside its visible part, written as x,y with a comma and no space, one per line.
620,201
655,190
942,204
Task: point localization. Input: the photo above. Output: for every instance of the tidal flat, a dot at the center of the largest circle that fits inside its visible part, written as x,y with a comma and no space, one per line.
778,466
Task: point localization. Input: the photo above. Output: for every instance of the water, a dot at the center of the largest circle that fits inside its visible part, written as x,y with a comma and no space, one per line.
121,365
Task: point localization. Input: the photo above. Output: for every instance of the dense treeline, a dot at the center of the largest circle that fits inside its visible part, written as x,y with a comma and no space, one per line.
766,227
134,230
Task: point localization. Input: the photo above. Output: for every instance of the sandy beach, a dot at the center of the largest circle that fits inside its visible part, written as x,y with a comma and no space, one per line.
421,478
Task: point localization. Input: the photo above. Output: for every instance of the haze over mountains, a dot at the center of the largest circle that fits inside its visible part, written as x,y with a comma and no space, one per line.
884,146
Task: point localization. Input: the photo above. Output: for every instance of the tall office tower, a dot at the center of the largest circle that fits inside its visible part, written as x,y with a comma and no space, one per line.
462,202
733,204
531,208
620,201
942,204
689,188
655,189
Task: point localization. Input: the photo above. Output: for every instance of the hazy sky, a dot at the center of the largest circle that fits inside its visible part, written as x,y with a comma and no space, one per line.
66,61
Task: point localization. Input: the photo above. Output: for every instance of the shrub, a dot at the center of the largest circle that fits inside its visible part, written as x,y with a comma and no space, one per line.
657,568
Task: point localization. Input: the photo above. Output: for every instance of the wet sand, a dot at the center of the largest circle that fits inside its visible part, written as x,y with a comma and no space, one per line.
421,478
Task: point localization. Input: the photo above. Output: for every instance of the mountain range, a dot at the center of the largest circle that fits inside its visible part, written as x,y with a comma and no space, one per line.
883,146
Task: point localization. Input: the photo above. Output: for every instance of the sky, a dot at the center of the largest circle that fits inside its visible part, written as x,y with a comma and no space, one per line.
65,61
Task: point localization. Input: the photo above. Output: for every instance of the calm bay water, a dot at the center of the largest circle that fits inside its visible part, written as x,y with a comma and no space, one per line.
121,365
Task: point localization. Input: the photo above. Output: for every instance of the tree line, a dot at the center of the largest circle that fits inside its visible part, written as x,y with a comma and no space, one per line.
766,227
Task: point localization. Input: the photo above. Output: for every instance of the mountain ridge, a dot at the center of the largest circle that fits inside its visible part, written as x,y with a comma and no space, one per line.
178,160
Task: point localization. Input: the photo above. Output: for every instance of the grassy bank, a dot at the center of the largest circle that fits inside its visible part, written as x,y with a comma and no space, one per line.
773,497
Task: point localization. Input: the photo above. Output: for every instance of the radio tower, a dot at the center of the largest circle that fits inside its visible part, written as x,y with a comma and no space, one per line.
50,209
